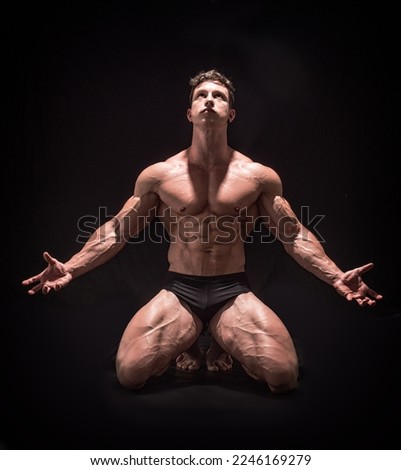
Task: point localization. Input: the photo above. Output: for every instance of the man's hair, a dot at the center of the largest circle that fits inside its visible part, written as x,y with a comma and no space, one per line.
212,76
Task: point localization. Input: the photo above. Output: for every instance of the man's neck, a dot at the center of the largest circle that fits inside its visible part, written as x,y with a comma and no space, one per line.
209,148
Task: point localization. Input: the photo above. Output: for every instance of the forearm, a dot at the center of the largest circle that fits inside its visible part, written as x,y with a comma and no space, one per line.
308,252
101,247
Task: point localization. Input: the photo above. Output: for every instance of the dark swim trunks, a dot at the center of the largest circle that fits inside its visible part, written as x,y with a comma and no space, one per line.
205,295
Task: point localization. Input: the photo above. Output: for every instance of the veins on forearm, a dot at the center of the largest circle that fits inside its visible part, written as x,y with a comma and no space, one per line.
310,255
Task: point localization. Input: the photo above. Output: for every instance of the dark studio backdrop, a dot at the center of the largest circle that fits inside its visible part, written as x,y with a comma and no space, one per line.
96,93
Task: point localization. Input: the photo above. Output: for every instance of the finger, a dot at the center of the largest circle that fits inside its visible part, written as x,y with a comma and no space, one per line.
356,297
35,289
32,279
365,268
46,289
374,294
49,259
349,296
366,302
369,302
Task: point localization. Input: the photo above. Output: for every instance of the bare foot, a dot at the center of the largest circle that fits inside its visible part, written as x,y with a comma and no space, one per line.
191,359
217,359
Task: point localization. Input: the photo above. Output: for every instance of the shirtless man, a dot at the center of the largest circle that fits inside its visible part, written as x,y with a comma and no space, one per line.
208,197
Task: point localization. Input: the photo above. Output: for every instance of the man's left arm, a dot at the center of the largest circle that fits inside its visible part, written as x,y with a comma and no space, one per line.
304,247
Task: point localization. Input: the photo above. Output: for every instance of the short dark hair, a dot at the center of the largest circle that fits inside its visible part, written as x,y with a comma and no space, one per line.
212,75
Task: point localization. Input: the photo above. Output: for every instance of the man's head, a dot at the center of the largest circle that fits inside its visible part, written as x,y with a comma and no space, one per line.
212,76
211,99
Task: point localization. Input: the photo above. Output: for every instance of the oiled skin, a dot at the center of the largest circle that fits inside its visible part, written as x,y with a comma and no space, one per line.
208,197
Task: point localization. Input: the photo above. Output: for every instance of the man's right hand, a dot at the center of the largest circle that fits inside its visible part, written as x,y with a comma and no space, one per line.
55,276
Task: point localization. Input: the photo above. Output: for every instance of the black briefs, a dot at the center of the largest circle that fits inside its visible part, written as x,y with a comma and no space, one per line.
205,295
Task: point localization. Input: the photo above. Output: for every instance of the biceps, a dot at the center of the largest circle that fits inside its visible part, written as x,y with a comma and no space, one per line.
281,219
136,214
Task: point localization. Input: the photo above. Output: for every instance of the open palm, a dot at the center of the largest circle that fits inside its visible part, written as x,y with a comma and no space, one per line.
55,276
352,287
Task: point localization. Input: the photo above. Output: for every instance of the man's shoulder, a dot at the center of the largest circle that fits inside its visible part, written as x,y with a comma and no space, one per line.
163,168
258,170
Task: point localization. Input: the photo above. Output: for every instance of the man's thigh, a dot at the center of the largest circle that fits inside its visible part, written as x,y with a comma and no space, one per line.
248,329
163,323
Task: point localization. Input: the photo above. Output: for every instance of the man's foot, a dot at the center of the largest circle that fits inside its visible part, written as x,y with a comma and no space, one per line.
217,359
191,359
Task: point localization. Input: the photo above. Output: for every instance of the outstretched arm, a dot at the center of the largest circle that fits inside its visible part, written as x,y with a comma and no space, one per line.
105,242
303,246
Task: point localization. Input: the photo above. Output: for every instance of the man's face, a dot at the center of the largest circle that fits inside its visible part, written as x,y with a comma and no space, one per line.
210,104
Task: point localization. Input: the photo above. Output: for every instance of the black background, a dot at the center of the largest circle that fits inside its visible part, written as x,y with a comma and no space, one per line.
92,94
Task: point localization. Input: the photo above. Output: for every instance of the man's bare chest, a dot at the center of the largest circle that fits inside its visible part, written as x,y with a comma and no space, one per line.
214,194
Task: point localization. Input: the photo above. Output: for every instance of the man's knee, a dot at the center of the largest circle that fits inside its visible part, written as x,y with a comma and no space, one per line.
280,376
129,375
283,378
133,371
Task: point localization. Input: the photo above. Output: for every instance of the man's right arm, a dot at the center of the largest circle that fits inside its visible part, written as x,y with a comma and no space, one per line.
107,240
110,238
